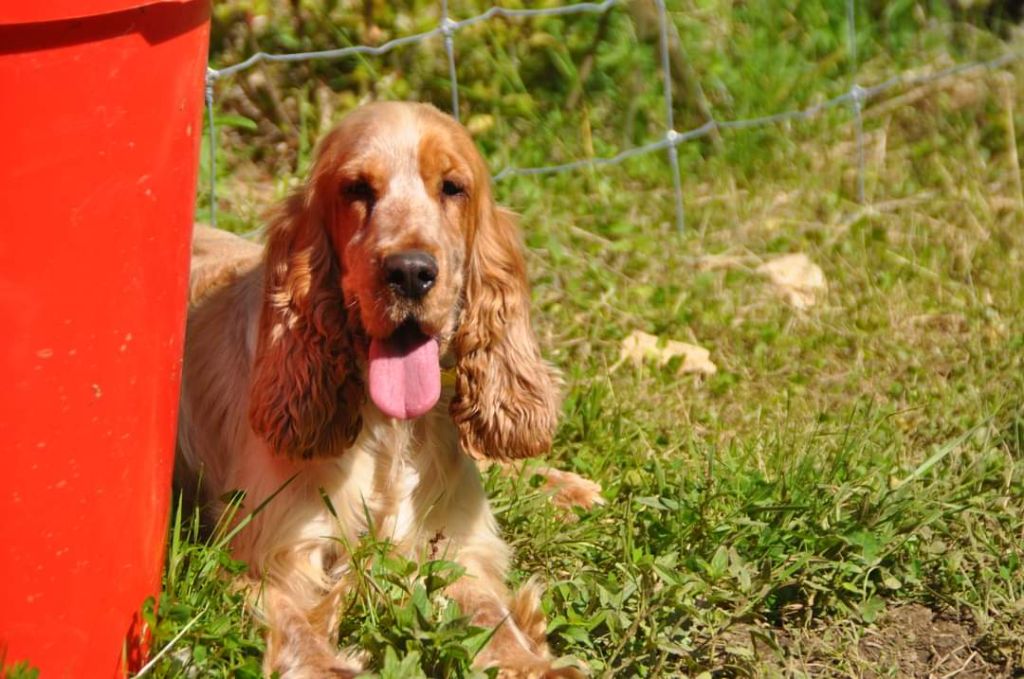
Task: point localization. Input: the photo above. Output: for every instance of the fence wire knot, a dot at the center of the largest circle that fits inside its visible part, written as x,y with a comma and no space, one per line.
859,95
448,27
673,137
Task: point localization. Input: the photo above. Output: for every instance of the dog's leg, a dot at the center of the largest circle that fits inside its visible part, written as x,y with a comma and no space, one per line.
518,647
300,642
468,535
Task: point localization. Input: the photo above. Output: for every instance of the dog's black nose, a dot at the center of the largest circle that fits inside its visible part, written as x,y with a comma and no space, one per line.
411,273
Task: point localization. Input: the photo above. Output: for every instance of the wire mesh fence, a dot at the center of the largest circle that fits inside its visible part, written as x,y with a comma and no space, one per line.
856,97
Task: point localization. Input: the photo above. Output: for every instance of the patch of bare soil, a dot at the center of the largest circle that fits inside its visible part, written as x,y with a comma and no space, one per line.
912,641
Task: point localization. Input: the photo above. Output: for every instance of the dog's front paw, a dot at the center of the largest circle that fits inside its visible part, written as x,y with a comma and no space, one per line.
301,655
545,669
319,664
523,653
567,672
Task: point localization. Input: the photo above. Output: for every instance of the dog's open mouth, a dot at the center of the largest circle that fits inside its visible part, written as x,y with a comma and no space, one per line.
404,373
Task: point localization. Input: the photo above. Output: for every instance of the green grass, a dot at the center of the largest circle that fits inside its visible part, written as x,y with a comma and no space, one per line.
846,464
18,670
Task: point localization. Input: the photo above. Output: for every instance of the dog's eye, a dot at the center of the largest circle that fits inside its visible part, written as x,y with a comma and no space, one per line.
452,188
359,190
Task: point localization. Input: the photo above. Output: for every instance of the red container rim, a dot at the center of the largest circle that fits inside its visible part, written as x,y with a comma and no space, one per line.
61,10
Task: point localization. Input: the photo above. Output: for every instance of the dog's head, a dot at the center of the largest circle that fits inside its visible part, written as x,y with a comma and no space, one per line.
391,256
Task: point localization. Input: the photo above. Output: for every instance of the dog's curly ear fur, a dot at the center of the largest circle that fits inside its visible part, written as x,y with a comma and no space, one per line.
306,389
506,399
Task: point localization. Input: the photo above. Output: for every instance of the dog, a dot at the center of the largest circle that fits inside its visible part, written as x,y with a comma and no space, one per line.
375,350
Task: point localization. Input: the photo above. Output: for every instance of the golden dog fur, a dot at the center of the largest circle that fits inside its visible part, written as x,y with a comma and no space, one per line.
274,385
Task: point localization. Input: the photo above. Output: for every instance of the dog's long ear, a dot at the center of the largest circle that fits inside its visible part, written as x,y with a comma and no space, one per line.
306,389
506,399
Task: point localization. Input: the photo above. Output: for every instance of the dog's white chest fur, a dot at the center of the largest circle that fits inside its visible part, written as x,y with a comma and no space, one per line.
396,483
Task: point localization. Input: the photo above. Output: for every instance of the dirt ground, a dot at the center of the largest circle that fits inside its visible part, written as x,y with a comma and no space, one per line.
912,641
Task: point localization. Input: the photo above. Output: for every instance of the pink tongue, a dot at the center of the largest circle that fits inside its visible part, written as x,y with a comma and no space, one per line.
405,376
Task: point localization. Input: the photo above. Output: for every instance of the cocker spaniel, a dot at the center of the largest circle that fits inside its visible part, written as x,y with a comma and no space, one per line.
379,346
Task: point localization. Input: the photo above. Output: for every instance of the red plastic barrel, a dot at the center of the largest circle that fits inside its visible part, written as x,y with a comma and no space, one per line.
99,136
